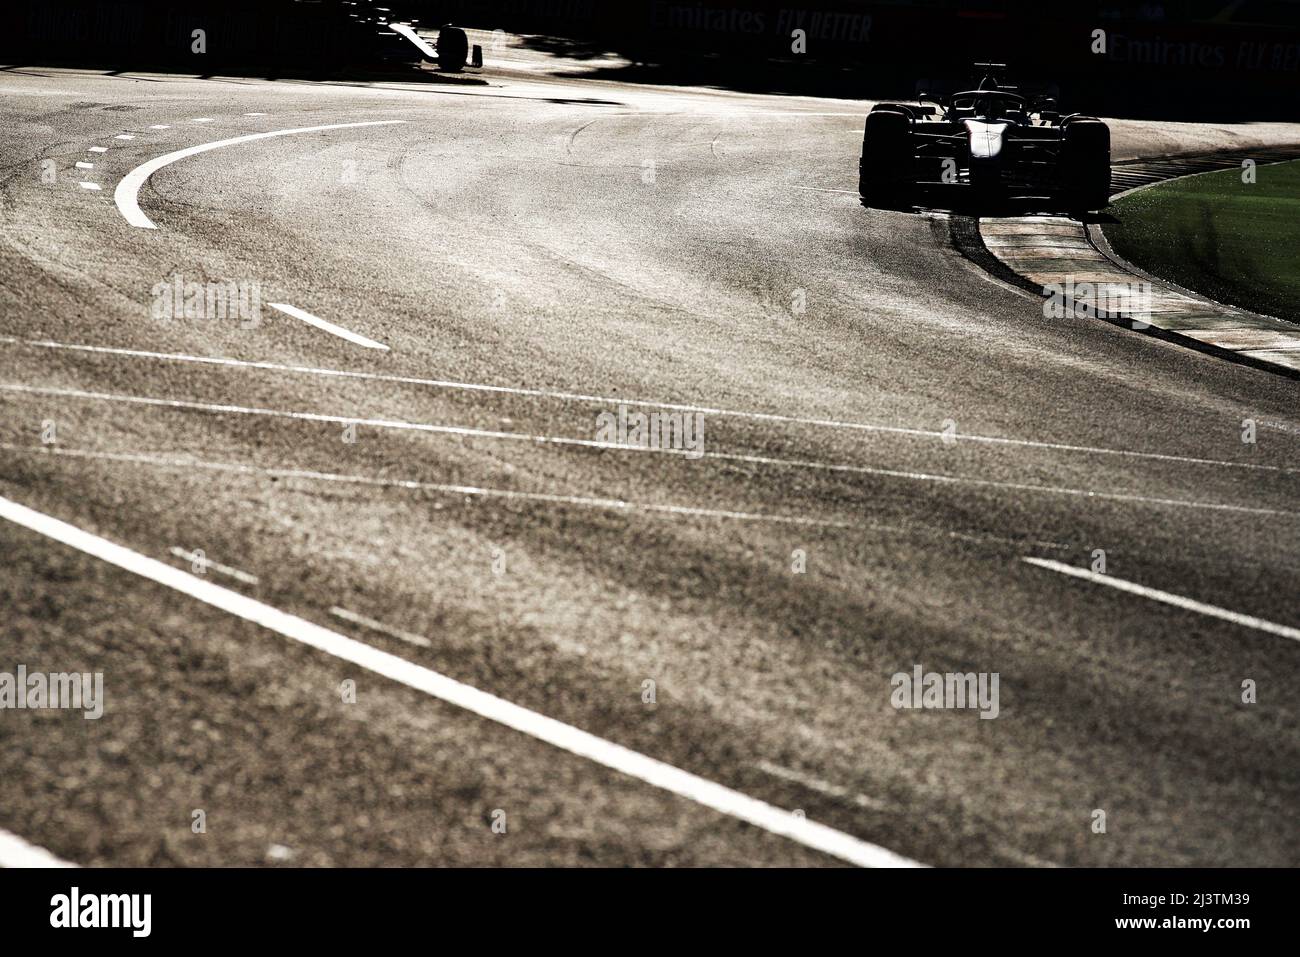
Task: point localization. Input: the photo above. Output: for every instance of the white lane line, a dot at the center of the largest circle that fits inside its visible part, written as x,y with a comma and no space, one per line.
94,186
255,114
85,165
202,119
411,639
871,804
642,403
160,126
715,796
124,136
1026,859
558,440
197,558
99,149
821,787
127,195
612,504
1178,601
826,189
15,852
329,327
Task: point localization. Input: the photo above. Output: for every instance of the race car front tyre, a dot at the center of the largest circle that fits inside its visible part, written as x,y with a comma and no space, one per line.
1085,165
453,49
886,174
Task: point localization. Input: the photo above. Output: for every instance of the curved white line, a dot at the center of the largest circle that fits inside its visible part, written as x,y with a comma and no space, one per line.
127,194
331,328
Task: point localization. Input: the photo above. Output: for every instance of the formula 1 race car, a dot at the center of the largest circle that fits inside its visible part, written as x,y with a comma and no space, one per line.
452,52
993,141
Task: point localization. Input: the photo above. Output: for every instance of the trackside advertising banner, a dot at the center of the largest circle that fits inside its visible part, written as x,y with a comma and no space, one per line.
1171,49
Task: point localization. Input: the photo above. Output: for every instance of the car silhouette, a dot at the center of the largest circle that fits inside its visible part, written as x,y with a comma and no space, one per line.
993,142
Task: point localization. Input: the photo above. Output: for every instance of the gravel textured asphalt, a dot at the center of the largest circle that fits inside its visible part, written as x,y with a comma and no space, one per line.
887,433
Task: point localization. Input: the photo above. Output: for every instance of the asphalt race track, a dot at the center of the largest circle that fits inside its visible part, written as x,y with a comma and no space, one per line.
888,433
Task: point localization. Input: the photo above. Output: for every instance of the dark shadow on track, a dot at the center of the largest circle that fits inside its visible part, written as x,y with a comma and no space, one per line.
869,51
961,201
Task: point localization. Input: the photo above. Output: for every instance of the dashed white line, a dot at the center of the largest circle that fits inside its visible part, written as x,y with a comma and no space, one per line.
124,136
16,852
160,126
99,149
198,558
821,787
1027,859
127,195
1168,598
411,639
92,186
81,165
861,800
647,404
827,189
558,440
707,793
329,327
255,114
201,119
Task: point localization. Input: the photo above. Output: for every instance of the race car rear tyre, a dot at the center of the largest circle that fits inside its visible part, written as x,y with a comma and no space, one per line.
1085,165
886,175
453,49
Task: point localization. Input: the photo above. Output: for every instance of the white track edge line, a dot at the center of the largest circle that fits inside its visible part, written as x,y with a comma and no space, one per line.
127,194
16,852
715,796
191,556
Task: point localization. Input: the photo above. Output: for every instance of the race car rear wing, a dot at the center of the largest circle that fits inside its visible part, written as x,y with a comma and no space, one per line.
987,76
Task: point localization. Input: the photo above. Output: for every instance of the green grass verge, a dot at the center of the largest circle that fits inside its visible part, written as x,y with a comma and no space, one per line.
1238,243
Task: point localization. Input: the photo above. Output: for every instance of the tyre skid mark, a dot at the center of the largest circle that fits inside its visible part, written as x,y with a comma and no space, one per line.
598,445
769,417
309,475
